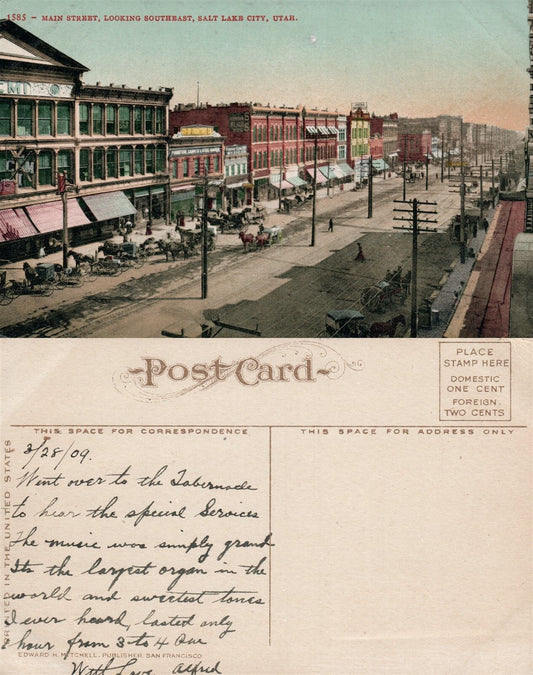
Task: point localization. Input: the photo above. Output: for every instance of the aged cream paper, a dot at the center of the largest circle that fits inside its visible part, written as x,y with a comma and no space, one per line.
266,507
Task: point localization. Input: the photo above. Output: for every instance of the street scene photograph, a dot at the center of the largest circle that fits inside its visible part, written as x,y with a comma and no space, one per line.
355,169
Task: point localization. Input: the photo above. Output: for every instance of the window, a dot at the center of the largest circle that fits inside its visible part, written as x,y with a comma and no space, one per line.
84,118
98,164
125,161
206,166
150,160
233,169
255,162
185,167
45,119
342,152
160,160
196,166
45,168
64,163
137,120
174,169
63,119
124,123
84,164
26,176
342,134
111,158
139,160
216,163
264,158
111,120
5,162
98,116
255,135
24,119
159,121
5,118
149,116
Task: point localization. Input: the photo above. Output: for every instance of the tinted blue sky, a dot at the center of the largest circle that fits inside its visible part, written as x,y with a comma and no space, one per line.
416,57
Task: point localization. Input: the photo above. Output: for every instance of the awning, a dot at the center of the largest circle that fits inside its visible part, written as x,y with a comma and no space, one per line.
324,131
234,186
380,164
333,130
182,188
346,168
15,224
110,205
296,181
339,173
327,172
49,217
319,177
393,154
311,130
285,185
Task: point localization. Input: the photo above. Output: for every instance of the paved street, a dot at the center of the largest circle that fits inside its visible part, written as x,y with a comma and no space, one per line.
283,291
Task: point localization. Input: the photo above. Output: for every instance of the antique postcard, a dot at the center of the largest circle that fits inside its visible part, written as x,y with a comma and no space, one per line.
302,181
268,507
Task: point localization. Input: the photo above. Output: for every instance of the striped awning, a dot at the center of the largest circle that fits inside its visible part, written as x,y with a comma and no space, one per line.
296,181
109,205
49,217
15,224
327,171
319,176
285,185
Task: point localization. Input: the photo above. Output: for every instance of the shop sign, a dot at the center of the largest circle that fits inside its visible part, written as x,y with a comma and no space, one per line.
239,122
185,152
7,187
36,89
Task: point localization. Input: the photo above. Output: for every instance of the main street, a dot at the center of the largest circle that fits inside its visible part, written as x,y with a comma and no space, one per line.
283,291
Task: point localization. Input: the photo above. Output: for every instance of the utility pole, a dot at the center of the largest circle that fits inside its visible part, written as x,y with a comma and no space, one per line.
204,241
62,189
493,190
370,179
404,164
415,219
442,160
480,224
427,170
313,215
462,243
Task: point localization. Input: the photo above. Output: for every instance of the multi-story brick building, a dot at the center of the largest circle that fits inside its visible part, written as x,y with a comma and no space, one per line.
414,147
196,155
387,128
109,141
359,147
279,141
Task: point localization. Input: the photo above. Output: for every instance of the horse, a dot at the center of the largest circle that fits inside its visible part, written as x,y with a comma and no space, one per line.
80,257
262,240
387,328
246,239
110,248
172,247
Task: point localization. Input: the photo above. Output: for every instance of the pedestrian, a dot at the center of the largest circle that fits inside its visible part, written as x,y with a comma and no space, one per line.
330,226
360,255
42,252
148,231
485,224
474,230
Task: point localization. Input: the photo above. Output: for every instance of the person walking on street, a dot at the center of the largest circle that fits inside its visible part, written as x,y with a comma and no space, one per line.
330,226
360,255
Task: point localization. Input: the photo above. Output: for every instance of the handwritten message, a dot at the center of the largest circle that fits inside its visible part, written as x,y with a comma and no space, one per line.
127,547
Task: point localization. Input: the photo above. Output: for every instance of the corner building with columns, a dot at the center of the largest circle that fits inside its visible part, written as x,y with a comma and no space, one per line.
111,142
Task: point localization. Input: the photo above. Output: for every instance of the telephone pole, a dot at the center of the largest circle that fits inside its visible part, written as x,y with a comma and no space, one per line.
313,214
370,178
414,219
204,241
462,242
442,159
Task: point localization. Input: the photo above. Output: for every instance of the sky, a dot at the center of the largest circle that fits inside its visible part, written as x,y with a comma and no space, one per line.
414,57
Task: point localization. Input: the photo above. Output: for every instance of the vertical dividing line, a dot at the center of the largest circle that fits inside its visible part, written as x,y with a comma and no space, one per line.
270,532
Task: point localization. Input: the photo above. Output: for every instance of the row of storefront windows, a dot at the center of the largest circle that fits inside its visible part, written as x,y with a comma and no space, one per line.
37,169
54,118
276,133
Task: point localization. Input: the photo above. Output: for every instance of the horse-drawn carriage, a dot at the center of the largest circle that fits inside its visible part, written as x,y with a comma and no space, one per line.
129,253
376,298
344,323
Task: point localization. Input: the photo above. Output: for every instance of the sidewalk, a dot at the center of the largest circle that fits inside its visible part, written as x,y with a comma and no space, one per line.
447,298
